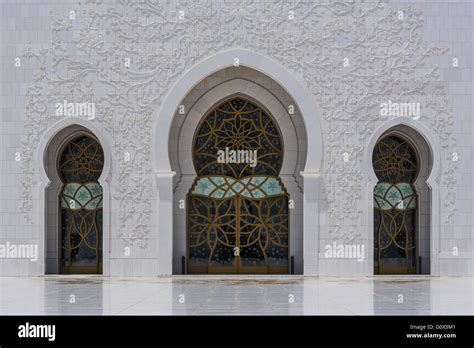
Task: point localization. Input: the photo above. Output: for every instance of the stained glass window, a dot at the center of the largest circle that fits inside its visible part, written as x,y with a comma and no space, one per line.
237,211
80,165
395,163
238,124
226,187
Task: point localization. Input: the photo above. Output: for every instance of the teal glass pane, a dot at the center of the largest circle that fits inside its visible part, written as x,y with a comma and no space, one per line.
226,187
218,181
71,188
272,187
218,193
405,189
381,203
246,193
258,193
94,188
381,188
94,203
81,196
237,187
257,180
400,196
245,181
393,196
229,181
64,202
70,203
204,187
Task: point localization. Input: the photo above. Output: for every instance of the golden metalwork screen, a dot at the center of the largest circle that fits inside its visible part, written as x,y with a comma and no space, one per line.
395,206
80,165
238,124
237,211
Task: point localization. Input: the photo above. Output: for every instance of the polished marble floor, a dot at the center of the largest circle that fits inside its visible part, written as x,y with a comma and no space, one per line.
236,295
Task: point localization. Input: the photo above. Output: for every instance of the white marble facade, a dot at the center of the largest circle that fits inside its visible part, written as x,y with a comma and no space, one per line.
154,68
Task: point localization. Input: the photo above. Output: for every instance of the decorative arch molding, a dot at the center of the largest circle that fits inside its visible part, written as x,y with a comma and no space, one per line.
49,135
76,125
294,155
432,182
194,61
421,129
296,89
285,78
249,90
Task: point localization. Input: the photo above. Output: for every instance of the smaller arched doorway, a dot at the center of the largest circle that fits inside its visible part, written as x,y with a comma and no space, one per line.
237,207
80,164
396,164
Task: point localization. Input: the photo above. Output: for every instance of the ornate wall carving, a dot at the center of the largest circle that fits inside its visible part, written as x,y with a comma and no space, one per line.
86,61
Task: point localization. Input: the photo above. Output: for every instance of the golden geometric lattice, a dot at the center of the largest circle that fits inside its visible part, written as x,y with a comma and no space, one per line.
80,166
395,206
237,214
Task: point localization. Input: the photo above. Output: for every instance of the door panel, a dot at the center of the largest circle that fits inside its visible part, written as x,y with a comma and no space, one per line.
395,163
80,166
237,207
238,235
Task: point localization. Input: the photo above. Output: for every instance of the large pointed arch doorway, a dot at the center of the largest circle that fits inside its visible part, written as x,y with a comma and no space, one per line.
237,207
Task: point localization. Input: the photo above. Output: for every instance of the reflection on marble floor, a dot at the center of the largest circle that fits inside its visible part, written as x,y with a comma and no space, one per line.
237,295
